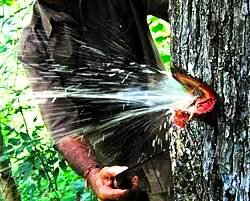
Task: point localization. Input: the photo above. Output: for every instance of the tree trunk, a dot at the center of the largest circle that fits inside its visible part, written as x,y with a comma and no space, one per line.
8,188
211,40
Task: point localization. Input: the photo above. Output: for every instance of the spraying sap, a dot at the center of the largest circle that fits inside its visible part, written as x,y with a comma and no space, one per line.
112,89
176,93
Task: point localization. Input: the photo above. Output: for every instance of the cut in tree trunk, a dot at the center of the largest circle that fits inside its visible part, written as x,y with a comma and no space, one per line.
211,40
8,188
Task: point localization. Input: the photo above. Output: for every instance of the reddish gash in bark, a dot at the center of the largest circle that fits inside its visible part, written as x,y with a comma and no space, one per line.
204,103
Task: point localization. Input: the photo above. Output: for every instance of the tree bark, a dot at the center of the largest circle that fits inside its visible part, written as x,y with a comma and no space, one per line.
211,40
8,188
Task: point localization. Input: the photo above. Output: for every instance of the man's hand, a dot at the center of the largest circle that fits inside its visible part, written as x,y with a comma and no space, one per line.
101,181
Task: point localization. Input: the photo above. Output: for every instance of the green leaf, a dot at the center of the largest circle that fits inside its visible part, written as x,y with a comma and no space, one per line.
78,185
160,39
9,147
37,162
42,173
158,27
3,48
56,173
88,196
14,141
18,92
7,2
25,169
34,133
63,165
25,136
4,158
52,161
35,119
166,58
39,127
69,196
29,147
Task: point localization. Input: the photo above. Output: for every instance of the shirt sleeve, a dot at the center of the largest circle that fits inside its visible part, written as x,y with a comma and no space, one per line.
158,8
59,113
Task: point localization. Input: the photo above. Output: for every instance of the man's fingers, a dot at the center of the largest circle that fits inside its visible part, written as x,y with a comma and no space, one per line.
107,193
135,183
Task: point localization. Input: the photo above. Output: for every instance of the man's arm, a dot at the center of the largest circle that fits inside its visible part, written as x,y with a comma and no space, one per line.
78,153
81,157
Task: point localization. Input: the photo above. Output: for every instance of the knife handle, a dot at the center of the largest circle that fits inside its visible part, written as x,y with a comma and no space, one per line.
123,180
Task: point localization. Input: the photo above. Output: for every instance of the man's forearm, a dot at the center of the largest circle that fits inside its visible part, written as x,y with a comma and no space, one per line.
78,153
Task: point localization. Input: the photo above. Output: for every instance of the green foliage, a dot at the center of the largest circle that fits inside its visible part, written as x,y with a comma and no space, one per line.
40,172
160,31
7,2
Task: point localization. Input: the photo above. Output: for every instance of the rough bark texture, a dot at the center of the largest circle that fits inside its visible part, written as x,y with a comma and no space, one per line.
8,188
211,40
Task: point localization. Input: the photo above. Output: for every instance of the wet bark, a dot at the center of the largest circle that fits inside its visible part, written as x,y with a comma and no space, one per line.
211,40
8,188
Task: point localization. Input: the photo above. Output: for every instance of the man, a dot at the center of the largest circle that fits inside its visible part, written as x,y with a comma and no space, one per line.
77,45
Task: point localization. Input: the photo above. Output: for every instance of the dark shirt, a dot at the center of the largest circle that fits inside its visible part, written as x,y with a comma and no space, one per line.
96,23
76,45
